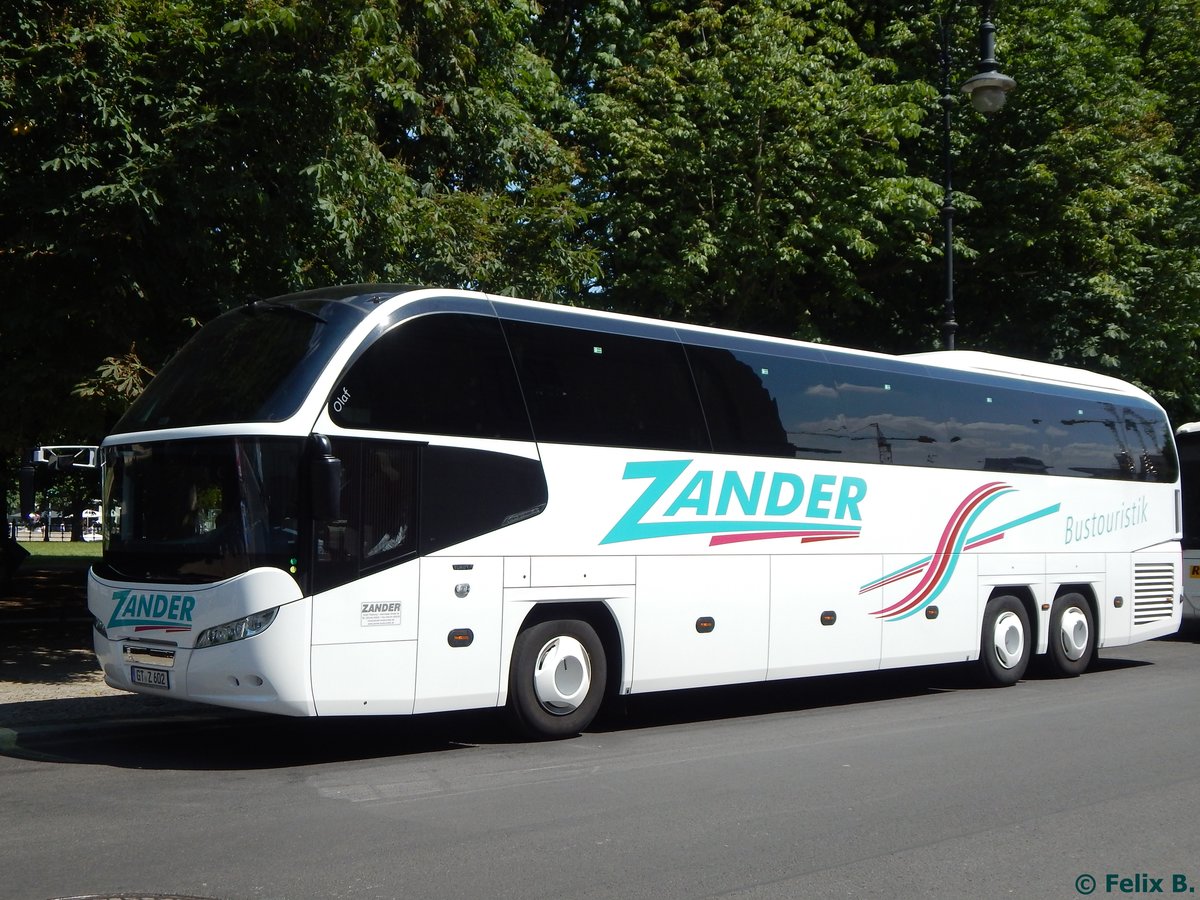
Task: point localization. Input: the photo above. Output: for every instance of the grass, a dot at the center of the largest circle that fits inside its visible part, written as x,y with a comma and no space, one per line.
63,550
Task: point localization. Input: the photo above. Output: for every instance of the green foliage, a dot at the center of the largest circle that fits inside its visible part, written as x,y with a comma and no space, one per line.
771,165
163,161
1085,190
1076,212
62,554
747,168
118,381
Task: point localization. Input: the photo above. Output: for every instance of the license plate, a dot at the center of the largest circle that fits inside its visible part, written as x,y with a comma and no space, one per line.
155,678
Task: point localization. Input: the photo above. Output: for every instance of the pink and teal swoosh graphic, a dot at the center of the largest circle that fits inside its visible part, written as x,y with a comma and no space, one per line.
938,568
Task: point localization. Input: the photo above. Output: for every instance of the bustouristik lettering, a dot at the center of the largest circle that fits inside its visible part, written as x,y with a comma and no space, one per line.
1127,515
144,612
733,506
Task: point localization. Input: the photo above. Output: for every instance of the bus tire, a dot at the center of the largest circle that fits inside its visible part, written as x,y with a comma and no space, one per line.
1072,642
557,679
1005,646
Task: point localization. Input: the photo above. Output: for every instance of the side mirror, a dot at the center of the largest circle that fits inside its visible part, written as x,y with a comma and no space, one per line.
325,479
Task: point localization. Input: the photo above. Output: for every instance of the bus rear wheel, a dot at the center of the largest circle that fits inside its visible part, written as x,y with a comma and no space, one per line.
1005,646
557,679
1072,643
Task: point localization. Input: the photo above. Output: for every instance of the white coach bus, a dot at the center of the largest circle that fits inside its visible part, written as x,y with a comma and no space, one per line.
383,500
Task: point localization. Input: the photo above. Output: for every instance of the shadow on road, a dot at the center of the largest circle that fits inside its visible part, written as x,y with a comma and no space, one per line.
47,655
47,634
143,732
134,731
806,694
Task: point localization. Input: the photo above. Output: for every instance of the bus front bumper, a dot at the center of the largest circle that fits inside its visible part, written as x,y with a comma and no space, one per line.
264,673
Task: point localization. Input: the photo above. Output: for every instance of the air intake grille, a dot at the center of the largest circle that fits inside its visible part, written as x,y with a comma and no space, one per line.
1153,592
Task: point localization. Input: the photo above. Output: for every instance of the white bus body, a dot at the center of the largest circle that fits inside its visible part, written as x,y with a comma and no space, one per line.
385,501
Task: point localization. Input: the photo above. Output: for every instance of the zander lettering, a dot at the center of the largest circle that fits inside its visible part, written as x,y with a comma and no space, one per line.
764,501
146,609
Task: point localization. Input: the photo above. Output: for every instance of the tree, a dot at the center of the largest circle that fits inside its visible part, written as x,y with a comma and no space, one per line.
1076,223
772,165
745,168
1084,190
162,162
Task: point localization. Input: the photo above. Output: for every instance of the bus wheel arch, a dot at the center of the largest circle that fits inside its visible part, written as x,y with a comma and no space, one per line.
1071,644
561,670
1006,640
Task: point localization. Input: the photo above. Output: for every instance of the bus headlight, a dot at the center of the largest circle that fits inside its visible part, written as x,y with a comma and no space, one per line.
237,630
99,625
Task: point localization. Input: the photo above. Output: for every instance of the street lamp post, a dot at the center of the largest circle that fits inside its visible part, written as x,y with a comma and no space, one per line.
987,89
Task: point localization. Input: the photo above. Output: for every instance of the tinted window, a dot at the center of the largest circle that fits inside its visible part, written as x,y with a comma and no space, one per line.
1016,431
889,412
760,404
994,427
893,417
812,410
588,387
254,364
1113,440
466,493
201,510
1189,466
445,373
399,499
377,524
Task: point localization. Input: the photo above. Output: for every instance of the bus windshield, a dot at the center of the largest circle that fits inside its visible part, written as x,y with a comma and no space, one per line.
253,364
201,510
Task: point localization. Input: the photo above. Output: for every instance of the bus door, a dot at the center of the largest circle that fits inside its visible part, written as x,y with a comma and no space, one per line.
366,577
364,647
462,602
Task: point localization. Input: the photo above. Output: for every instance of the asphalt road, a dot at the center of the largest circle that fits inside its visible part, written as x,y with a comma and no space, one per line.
911,784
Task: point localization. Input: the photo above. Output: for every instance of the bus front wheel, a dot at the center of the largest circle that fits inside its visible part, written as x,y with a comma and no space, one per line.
1072,643
1005,645
557,679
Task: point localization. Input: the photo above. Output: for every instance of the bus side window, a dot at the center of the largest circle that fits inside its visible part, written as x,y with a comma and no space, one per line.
743,414
466,493
389,502
377,522
609,390
443,373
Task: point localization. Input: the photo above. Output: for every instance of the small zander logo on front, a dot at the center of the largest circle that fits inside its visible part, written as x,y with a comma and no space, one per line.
152,612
